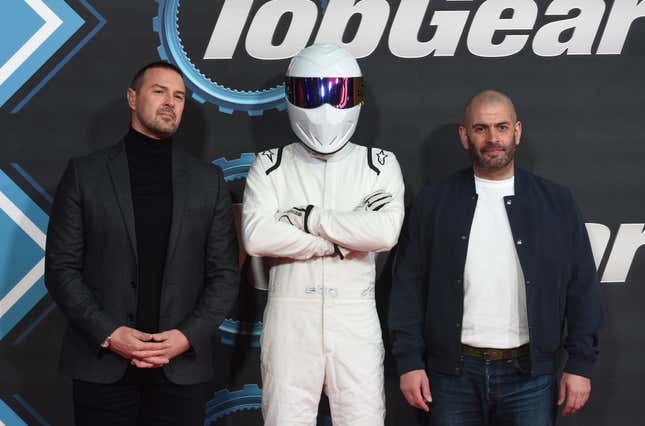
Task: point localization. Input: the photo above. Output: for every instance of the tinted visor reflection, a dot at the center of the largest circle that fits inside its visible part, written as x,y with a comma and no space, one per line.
312,92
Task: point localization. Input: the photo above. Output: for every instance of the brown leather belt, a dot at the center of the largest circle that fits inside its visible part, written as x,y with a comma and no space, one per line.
490,354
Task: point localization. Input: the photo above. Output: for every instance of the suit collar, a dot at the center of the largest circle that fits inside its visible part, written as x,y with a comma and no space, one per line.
312,157
467,180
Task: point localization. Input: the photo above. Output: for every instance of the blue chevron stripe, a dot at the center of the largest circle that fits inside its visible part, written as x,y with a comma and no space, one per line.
66,59
45,49
32,182
27,406
22,252
9,417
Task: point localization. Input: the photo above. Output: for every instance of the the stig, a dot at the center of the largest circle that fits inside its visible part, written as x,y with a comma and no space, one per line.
321,209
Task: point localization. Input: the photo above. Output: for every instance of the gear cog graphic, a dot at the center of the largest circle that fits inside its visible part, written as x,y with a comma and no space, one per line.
230,329
235,169
225,402
203,88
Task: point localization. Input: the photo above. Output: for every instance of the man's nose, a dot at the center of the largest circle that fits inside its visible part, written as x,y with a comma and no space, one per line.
492,135
170,101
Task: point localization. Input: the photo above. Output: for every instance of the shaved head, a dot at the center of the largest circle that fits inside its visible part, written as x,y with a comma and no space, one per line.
486,98
491,133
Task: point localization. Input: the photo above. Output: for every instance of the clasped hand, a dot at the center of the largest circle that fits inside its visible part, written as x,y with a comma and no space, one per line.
148,350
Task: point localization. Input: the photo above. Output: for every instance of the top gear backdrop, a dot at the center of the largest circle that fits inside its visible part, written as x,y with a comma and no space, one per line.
573,67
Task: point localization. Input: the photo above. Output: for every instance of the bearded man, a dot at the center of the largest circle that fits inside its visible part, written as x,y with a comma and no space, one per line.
491,263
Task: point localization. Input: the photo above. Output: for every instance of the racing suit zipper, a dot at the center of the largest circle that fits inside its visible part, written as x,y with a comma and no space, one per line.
322,262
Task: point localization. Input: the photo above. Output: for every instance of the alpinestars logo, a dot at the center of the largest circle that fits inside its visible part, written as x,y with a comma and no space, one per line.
278,29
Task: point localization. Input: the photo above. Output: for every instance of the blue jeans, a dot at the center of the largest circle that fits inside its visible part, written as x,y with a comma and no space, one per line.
500,393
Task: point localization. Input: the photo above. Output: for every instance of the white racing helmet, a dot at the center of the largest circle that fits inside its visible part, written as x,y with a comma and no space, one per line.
324,97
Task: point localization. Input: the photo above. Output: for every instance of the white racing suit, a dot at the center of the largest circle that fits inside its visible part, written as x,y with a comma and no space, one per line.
321,328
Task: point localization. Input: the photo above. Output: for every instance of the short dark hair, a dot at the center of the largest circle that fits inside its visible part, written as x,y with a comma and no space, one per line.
135,84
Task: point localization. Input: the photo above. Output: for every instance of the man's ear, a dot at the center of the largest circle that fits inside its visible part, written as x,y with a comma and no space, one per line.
463,137
518,132
132,98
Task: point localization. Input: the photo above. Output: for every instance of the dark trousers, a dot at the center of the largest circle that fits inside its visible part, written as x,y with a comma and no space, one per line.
130,404
499,393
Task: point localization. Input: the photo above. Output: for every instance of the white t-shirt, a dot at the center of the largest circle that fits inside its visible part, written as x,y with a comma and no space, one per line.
494,293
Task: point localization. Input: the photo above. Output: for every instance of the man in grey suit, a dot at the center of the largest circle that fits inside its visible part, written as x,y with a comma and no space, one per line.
142,259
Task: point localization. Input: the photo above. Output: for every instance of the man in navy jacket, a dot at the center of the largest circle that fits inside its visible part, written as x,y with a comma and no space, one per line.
492,263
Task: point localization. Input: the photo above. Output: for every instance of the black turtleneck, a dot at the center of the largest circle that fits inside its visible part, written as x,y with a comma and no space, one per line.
149,162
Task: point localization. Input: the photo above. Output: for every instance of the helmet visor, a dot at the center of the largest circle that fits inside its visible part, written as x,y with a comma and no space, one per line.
312,92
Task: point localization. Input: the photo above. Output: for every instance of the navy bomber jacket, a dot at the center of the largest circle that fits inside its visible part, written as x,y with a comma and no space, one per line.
426,305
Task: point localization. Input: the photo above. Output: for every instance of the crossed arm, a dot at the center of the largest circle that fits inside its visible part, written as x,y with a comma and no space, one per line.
306,231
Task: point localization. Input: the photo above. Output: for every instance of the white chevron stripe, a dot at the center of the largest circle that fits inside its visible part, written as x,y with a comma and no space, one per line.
52,22
22,287
22,220
37,271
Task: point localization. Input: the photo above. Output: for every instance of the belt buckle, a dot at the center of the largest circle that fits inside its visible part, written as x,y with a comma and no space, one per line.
491,354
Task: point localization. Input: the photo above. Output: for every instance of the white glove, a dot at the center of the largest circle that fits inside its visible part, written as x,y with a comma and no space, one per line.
299,216
374,201
296,216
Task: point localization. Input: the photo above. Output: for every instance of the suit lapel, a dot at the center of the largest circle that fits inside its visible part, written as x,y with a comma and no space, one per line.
179,198
118,166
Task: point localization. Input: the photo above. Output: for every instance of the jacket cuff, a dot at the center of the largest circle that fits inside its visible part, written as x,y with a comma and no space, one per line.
408,363
189,329
104,329
190,343
579,367
312,220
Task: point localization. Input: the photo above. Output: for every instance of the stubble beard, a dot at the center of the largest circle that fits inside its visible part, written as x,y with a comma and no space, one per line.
159,126
481,161
162,126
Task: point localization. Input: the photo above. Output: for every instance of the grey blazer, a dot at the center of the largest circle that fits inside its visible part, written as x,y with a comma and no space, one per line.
91,263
